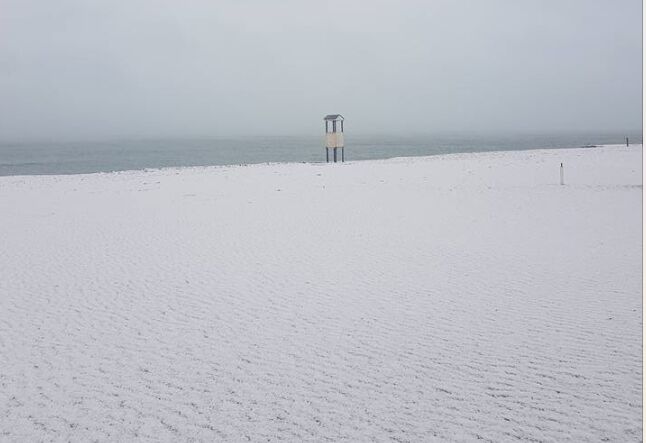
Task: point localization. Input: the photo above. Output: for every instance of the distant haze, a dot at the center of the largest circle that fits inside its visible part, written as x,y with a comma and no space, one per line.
78,69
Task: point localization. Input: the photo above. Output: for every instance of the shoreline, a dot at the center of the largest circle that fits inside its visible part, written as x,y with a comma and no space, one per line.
395,158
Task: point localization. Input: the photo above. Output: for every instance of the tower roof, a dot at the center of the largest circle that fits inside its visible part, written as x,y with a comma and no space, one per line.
333,117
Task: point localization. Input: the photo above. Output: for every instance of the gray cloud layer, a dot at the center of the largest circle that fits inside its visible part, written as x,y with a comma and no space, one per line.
84,69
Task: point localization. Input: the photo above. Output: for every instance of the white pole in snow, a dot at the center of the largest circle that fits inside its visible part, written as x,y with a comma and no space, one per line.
562,182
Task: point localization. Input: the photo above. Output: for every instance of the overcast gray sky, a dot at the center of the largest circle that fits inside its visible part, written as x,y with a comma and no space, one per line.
141,68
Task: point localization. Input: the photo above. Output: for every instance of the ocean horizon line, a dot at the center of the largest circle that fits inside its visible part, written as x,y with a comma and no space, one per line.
313,162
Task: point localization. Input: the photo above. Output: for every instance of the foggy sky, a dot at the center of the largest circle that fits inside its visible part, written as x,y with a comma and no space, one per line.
148,68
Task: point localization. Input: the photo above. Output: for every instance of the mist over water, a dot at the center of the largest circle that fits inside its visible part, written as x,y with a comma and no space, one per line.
160,69
119,155
213,82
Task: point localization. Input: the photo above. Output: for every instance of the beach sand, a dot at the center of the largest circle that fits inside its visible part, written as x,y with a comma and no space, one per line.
445,298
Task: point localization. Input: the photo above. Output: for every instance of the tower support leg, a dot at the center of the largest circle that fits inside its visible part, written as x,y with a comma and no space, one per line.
334,155
327,155
343,154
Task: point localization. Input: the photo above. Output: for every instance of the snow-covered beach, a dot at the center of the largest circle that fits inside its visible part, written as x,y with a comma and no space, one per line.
440,298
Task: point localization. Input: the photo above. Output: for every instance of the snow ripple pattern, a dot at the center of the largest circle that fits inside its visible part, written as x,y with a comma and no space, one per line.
448,298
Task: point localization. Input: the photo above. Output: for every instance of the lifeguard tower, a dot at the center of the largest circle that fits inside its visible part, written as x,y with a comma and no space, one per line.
334,136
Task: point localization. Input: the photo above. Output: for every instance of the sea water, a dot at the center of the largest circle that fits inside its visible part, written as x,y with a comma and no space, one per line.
119,155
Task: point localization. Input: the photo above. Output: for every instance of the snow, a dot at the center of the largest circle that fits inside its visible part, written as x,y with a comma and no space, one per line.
455,297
